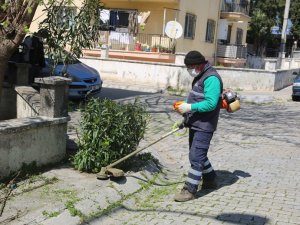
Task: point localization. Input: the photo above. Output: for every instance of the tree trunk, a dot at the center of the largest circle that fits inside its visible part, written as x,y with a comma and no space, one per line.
3,66
10,40
4,56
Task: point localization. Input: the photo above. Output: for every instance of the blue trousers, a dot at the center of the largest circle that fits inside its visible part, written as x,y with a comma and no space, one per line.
199,142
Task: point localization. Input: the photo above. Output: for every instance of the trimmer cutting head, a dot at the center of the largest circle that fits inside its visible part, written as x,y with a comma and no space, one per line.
105,173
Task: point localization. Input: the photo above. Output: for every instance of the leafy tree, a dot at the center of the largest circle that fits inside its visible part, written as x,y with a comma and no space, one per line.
295,18
265,14
16,17
74,33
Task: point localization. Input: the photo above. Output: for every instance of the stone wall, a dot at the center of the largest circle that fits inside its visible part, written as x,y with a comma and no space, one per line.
39,132
33,139
28,101
255,62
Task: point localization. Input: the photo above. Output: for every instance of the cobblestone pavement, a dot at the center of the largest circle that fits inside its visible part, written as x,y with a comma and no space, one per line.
255,153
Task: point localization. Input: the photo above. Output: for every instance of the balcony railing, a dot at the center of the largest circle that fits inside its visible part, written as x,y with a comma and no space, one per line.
232,51
141,42
241,6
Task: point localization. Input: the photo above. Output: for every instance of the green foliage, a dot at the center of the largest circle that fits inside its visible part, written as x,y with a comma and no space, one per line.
70,205
16,17
50,214
75,29
295,18
174,91
12,25
265,14
109,131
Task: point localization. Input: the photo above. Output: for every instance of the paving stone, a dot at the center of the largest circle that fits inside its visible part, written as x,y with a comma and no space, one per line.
255,153
63,218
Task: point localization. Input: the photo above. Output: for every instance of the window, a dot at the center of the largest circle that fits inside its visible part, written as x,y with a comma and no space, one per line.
118,20
123,21
210,31
239,36
65,16
190,25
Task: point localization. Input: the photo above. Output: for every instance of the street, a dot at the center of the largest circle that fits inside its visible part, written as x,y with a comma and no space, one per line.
255,152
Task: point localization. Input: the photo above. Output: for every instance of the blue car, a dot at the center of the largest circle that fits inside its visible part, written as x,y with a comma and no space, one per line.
296,88
86,81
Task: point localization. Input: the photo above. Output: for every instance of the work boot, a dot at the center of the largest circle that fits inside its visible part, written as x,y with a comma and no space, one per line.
184,195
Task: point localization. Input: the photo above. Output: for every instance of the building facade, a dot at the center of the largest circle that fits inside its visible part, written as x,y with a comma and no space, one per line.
140,29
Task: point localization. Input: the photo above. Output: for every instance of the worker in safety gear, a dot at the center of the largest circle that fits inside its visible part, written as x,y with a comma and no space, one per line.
201,111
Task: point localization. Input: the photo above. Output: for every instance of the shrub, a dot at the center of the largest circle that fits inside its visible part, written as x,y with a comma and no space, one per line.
108,131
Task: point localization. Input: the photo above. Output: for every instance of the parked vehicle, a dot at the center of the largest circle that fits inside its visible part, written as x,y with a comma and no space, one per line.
296,88
86,81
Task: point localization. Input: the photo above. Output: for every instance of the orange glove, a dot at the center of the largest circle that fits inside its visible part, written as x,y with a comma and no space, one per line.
176,105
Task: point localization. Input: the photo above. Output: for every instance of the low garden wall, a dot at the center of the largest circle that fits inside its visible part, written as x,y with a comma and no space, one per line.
32,139
163,75
33,125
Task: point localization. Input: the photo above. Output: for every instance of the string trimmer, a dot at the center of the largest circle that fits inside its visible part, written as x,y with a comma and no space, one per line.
109,171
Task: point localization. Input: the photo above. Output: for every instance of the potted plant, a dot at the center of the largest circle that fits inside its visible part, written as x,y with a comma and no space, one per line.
146,48
154,48
163,49
138,46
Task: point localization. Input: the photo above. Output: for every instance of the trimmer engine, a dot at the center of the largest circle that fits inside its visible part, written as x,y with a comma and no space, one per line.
230,101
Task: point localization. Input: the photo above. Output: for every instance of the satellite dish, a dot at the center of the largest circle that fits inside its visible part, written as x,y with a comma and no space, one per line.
173,29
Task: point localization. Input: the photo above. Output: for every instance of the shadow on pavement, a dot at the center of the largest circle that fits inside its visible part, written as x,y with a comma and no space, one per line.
114,93
238,218
107,93
228,218
169,183
224,178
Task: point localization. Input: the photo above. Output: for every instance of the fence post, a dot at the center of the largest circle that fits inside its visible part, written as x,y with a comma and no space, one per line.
54,96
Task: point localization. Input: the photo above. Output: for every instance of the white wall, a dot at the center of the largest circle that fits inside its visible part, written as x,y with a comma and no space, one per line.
160,75
256,62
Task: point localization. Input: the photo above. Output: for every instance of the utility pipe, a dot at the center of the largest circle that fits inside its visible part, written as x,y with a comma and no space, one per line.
284,28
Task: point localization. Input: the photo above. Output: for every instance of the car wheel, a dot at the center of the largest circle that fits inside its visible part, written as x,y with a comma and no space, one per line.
294,98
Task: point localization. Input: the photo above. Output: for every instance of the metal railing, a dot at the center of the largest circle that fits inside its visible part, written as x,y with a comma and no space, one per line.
140,42
239,6
232,51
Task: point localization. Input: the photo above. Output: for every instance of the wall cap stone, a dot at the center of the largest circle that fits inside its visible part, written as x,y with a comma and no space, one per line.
53,80
21,124
270,60
133,61
181,53
244,69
